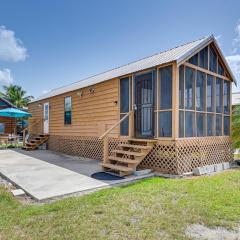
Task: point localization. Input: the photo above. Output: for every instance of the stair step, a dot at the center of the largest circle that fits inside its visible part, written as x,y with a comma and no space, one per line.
123,160
31,144
142,140
135,146
137,154
27,148
117,167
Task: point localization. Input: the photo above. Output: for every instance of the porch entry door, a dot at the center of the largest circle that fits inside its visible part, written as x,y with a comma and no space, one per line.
144,105
46,118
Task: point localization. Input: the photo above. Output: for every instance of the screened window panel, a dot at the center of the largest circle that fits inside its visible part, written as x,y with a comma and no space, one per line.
165,124
181,124
189,124
218,125
2,128
213,60
218,95
194,60
67,110
124,95
124,126
189,88
200,124
181,87
226,125
203,58
220,69
210,93
165,87
200,91
210,122
226,98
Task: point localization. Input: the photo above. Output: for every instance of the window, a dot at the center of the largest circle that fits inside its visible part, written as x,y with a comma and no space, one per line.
189,124
124,105
220,69
181,87
181,124
210,93
218,95
226,99
67,110
2,128
165,124
200,124
213,60
165,87
226,125
210,125
194,60
218,124
189,88
203,58
200,91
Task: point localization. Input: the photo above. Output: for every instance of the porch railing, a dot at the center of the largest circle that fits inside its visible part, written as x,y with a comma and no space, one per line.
104,136
27,128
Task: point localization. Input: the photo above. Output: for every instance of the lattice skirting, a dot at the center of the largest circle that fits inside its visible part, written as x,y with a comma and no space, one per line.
175,157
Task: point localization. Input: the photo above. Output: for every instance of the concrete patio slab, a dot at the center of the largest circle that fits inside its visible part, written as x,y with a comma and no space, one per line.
41,179
45,174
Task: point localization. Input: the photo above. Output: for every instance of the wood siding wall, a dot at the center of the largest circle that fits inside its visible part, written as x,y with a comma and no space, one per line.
92,113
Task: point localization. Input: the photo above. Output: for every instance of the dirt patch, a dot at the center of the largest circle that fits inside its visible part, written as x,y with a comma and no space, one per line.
198,231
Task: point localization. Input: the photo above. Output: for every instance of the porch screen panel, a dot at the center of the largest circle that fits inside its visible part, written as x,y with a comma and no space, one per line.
226,97
213,60
165,87
200,91
189,124
181,124
218,95
218,125
226,125
124,105
189,88
210,93
203,58
210,131
181,87
200,124
165,124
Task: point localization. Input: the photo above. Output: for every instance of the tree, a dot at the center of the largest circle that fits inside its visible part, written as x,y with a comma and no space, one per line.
16,95
236,127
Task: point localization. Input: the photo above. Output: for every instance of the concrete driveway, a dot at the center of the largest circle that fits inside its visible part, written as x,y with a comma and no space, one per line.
43,180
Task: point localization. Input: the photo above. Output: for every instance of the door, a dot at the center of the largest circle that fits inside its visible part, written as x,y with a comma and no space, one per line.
144,105
46,118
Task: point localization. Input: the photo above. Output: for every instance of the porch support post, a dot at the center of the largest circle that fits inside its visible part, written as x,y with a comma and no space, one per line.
175,100
105,149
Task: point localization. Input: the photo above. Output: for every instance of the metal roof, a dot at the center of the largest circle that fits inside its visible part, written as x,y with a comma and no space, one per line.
178,54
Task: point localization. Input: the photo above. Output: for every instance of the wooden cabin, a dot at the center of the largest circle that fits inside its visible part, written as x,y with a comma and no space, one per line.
5,122
170,112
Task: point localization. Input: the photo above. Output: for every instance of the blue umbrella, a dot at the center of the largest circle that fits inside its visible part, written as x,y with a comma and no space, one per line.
13,113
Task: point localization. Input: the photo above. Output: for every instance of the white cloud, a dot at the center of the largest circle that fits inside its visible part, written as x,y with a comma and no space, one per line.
234,63
11,48
236,40
6,76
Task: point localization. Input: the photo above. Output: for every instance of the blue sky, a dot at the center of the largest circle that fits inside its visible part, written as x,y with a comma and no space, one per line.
47,44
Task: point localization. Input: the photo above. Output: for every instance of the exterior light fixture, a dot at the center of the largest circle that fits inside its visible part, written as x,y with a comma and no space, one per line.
91,90
115,103
80,94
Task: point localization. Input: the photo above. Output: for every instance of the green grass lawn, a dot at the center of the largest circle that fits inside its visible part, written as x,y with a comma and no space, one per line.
155,208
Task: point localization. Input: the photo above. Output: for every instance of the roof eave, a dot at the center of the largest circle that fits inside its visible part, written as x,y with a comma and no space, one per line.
207,41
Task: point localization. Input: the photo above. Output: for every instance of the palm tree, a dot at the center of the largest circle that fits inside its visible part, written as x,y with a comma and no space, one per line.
16,95
236,127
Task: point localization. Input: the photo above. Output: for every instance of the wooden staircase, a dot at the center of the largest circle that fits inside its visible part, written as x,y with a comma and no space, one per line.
127,157
36,142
